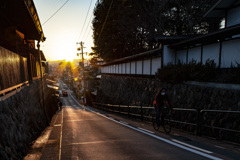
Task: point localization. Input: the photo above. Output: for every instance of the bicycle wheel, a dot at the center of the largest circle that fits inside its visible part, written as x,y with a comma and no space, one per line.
167,123
155,126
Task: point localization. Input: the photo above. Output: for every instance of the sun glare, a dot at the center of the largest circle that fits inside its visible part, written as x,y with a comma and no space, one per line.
66,51
69,60
68,56
66,48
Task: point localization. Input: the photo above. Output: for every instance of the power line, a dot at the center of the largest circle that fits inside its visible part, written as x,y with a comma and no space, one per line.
85,20
90,20
55,12
104,21
87,26
88,34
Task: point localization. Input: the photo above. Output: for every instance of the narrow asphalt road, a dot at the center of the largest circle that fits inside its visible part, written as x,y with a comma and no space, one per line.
82,133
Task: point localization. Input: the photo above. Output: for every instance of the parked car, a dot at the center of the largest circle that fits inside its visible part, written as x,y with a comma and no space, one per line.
64,93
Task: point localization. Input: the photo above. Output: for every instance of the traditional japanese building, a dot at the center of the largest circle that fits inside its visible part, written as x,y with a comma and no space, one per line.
21,31
222,46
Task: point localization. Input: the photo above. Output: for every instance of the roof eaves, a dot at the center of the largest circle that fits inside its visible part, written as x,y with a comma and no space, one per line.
217,35
212,8
136,56
219,8
33,12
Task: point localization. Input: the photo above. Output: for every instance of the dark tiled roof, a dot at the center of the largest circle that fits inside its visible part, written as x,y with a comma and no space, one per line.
23,15
135,57
210,37
219,8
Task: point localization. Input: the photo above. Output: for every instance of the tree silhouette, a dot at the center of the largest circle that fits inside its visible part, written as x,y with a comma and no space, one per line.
126,27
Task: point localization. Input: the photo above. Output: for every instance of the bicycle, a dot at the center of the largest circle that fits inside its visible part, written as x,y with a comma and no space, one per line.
165,120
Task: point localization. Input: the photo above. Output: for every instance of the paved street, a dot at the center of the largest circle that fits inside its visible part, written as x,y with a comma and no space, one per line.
88,79
80,132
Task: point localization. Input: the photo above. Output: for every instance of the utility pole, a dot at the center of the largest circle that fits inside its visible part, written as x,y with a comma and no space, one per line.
84,91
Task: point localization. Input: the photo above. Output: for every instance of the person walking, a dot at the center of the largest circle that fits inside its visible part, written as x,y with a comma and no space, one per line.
59,103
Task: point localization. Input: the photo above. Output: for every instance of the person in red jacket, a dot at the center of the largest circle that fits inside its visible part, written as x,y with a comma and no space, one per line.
161,100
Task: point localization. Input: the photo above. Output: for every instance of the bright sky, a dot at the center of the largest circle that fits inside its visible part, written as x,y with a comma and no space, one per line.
65,28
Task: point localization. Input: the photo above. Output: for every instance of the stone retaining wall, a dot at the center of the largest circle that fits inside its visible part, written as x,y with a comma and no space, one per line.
139,91
23,118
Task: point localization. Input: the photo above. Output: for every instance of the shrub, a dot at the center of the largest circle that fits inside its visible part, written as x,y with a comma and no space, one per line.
192,71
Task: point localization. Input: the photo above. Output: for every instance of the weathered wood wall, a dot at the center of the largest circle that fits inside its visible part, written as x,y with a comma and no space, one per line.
13,69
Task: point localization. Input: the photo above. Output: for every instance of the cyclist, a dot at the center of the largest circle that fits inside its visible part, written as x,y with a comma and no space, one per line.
161,100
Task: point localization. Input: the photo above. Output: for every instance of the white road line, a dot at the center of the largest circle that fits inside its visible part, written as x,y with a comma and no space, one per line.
123,122
159,138
110,117
60,146
167,141
219,147
197,148
146,130
94,111
76,101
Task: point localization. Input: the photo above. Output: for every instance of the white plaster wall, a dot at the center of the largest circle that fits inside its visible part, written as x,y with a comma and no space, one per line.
233,17
230,53
116,68
107,69
120,68
128,68
211,52
156,64
133,67
181,56
230,57
123,68
168,55
139,67
146,67
194,54
111,69
102,70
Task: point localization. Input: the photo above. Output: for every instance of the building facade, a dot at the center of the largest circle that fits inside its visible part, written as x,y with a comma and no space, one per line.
222,46
20,29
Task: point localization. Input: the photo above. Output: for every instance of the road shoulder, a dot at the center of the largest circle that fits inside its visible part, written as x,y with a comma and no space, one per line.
36,150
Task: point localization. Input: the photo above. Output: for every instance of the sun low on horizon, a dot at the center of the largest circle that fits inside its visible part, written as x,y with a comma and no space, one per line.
65,28
63,49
